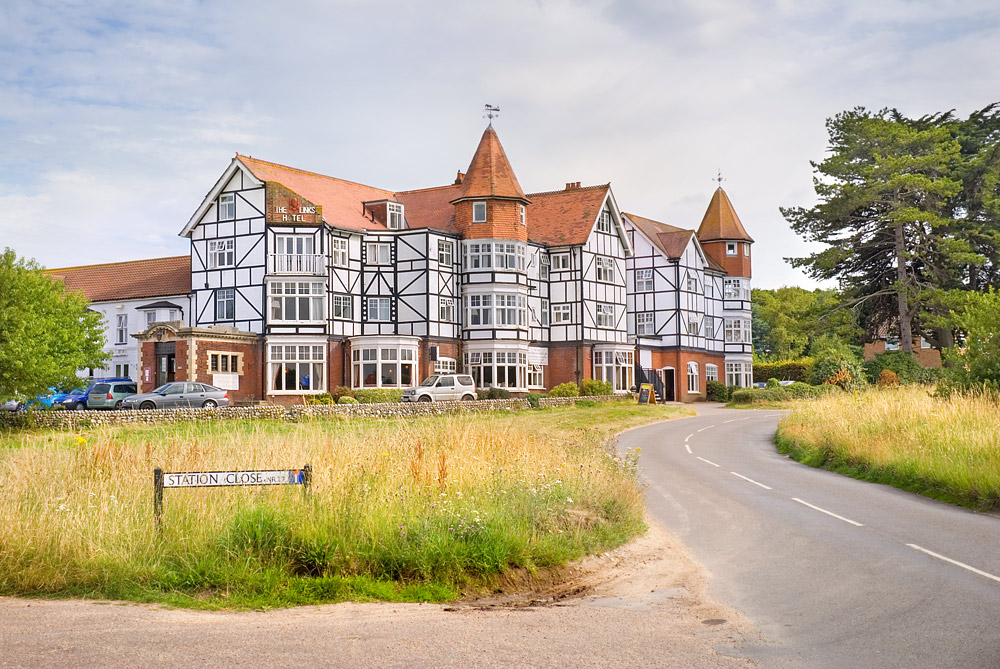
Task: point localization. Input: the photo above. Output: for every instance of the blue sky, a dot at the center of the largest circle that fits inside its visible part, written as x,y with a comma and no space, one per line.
117,117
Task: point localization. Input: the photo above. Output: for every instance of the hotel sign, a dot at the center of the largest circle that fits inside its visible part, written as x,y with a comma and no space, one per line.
285,206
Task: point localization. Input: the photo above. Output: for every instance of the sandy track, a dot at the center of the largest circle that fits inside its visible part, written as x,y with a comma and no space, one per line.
643,604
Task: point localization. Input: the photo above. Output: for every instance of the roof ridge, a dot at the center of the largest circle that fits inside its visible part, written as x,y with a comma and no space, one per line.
573,190
315,174
120,262
424,190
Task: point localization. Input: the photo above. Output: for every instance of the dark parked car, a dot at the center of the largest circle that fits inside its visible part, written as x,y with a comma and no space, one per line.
179,395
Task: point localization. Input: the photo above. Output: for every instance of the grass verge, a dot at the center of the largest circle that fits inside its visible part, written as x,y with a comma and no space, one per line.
405,510
945,449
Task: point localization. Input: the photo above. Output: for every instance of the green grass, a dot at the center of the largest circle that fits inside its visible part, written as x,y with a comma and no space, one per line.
405,510
901,436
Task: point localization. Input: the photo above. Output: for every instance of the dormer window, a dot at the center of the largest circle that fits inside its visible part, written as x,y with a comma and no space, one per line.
227,207
730,248
395,216
524,218
478,212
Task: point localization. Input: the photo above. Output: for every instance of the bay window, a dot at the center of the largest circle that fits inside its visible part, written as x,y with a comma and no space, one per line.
738,331
480,309
296,301
297,367
478,255
385,365
616,367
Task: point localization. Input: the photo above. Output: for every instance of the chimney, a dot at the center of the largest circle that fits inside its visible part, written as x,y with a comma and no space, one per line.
572,185
459,178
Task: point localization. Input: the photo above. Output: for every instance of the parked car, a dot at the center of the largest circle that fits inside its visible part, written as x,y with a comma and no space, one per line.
110,395
179,395
440,387
76,399
43,401
11,405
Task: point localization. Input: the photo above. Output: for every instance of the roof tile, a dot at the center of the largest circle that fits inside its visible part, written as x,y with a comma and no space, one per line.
720,220
155,277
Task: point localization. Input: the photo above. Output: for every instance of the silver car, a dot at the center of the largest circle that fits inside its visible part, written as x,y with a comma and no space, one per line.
441,387
179,395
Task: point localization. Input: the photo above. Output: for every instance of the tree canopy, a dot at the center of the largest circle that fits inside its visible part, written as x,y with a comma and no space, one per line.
46,334
909,211
786,321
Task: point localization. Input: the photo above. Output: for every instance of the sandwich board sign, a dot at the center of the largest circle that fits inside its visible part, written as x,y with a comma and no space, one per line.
646,394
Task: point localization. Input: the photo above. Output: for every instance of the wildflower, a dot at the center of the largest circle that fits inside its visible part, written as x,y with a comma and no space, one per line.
569,500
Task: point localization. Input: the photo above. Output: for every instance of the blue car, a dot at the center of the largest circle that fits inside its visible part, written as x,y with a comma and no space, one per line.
76,399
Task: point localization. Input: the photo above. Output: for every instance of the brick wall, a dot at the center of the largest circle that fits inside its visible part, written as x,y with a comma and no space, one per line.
572,363
678,359
251,373
502,220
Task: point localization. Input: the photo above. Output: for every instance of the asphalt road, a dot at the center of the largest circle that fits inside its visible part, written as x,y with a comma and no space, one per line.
834,572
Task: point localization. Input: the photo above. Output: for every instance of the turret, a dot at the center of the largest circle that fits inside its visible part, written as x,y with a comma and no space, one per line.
723,237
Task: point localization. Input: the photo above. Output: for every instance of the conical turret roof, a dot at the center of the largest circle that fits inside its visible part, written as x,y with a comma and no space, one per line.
720,221
490,173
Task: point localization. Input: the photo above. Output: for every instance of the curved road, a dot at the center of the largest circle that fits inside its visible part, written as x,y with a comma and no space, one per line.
834,572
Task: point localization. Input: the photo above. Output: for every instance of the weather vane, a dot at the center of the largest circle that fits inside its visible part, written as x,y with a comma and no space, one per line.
719,178
491,112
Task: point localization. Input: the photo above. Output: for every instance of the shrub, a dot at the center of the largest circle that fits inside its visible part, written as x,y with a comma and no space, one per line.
498,394
322,398
533,400
567,389
902,364
378,395
586,403
773,383
787,370
887,377
591,387
803,391
716,391
482,394
840,367
341,391
757,396
346,399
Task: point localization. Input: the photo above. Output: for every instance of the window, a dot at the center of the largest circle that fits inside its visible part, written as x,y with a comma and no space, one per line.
605,269
605,315
479,256
736,289
446,252
562,313
225,304
385,366
447,308
692,369
505,255
150,318
693,326
507,310
227,207
225,363
297,367
739,374
122,371
480,309
343,307
522,216
711,372
298,301
379,308
560,261
478,212
502,369
221,253
709,326
692,284
536,376
378,253
746,249
604,222
172,315
616,367
737,331
395,216
445,366
710,287
730,248
543,266
643,280
543,316
338,247
294,253
521,255
644,323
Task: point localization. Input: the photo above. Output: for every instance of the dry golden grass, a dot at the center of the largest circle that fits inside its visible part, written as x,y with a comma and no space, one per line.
946,448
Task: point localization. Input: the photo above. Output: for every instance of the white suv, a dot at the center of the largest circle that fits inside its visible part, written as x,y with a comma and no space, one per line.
440,387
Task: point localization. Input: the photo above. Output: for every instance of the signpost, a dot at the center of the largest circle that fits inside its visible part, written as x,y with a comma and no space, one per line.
646,394
162,479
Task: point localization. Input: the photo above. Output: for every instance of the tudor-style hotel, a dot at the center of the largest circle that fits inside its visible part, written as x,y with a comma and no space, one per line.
300,282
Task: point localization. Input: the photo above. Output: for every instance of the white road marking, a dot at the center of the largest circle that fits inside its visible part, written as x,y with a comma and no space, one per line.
954,562
706,428
731,421
708,461
687,447
829,513
688,438
765,487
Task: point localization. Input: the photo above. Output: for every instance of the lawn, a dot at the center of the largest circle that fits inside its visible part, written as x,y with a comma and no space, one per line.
415,510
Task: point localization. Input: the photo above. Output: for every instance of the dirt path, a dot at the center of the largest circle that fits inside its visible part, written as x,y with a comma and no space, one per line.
643,604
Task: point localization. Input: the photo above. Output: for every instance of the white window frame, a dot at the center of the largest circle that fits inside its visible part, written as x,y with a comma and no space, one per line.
645,323
544,265
693,326
560,262
150,317
497,368
479,212
604,222
121,329
446,252
505,255
378,253
692,284
291,298
394,216
644,280
227,207
221,253
225,304
738,331
692,377
616,367
746,249
604,315
379,309
736,289
479,310
605,269
343,307
711,372
446,309
302,363
543,313
338,249
730,248
562,313
522,215
446,366
478,255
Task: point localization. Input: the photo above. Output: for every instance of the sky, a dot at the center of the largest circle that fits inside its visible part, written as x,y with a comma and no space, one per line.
116,118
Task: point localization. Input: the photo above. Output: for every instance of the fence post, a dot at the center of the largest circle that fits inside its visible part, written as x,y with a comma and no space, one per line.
307,475
158,497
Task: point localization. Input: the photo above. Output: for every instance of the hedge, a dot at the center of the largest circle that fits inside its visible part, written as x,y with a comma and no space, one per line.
784,370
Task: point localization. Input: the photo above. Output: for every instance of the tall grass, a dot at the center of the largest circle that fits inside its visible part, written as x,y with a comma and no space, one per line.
943,448
412,510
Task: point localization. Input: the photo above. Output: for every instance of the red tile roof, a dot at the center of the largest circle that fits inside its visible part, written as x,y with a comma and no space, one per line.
490,173
563,217
128,280
341,200
720,220
430,207
668,238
